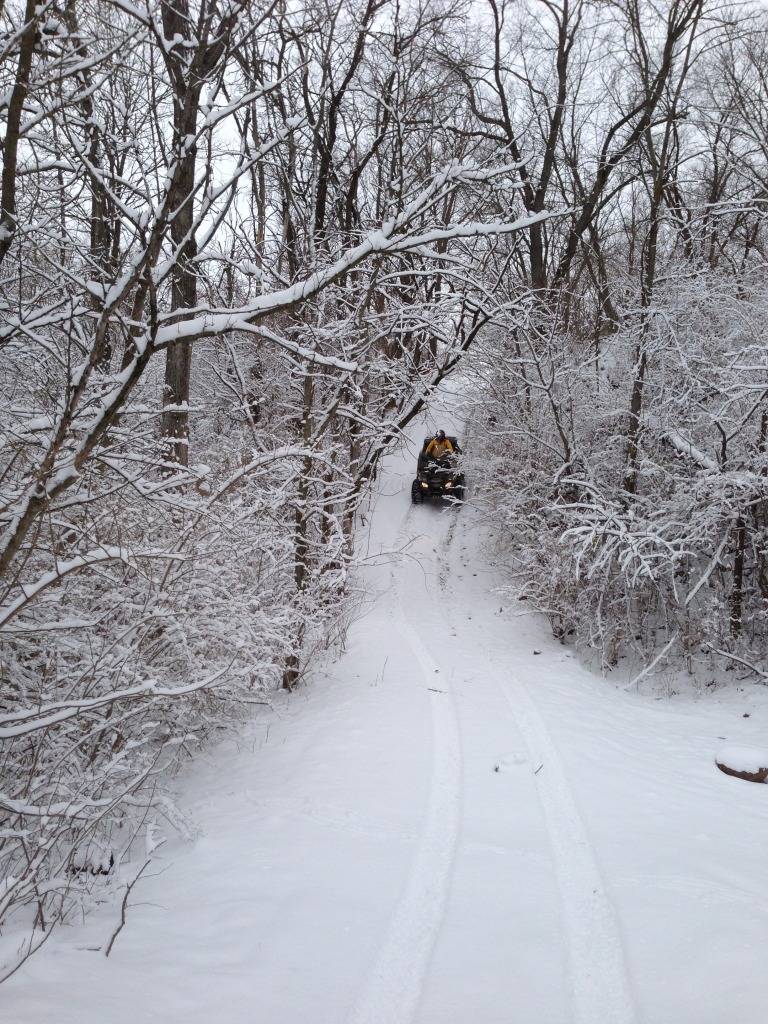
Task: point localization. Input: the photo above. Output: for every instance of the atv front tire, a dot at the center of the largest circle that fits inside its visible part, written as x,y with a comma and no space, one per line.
416,497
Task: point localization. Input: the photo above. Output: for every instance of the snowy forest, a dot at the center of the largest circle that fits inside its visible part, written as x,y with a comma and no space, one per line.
242,243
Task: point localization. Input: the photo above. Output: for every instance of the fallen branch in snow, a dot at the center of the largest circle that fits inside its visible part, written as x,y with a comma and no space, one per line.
649,668
30,947
741,661
713,564
686,447
124,906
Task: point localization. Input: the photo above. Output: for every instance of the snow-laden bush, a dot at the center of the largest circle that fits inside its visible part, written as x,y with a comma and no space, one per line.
680,564
164,606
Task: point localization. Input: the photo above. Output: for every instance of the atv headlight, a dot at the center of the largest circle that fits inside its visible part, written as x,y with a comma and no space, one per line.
424,484
448,483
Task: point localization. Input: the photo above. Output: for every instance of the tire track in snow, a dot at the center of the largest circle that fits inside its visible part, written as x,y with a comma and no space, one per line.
395,984
599,984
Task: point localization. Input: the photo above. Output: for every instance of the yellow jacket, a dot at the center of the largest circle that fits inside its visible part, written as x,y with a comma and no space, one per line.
439,449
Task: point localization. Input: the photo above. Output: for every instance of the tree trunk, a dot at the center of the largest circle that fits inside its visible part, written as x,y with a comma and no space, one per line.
301,525
737,594
178,362
13,127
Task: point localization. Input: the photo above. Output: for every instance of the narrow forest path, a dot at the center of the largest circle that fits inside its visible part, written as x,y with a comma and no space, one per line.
455,824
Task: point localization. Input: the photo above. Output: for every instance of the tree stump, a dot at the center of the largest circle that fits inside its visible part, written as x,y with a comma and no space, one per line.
743,763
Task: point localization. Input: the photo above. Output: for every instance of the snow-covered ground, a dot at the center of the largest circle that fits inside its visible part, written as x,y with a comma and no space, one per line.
455,824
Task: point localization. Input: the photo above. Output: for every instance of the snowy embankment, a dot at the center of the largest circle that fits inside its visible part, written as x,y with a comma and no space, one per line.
445,827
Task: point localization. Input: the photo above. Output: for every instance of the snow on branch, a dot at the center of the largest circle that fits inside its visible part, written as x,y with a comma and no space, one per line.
30,591
395,236
22,723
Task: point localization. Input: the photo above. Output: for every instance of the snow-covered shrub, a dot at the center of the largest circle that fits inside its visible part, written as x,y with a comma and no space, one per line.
681,559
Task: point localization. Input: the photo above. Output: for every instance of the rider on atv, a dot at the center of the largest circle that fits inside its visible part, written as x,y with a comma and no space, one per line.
439,447
438,474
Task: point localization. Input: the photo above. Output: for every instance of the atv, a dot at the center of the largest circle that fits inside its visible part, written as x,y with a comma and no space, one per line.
438,478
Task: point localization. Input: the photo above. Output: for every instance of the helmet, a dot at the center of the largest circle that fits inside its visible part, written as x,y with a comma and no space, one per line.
441,435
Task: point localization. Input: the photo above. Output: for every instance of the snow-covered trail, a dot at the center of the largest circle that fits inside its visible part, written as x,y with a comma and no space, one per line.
455,823
581,972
